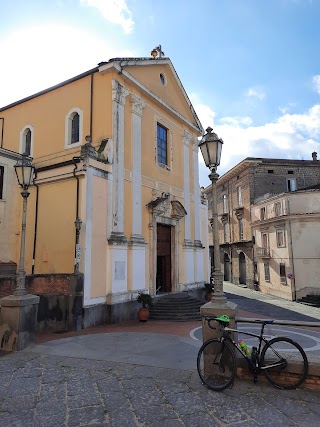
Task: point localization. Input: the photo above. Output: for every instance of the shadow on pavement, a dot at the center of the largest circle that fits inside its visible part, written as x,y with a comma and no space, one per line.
264,309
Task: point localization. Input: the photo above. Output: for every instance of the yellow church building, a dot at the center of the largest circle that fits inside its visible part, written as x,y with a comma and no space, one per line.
115,151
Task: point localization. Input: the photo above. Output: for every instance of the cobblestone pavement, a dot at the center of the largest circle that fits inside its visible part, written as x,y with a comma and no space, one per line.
47,390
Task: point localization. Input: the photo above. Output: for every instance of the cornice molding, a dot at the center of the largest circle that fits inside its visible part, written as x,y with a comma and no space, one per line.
137,104
187,137
119,93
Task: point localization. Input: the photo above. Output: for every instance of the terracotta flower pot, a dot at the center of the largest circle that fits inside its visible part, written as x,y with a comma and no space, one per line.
143,314
208,296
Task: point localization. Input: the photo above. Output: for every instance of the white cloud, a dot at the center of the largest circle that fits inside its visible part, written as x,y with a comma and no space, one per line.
236,121
114,11
287,108
35,58
293,136
256,92
206,115
316,83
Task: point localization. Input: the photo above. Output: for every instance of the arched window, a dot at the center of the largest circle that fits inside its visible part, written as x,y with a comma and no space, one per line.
26,140
73,130
28,143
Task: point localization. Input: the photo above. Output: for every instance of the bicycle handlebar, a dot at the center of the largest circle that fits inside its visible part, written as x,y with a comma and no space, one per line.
208,320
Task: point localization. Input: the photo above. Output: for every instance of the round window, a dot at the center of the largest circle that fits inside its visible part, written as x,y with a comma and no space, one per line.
162,79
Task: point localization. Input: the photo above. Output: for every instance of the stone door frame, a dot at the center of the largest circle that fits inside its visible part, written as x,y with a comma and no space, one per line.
166,212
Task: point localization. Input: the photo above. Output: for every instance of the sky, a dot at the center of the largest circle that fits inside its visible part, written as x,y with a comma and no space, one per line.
251,68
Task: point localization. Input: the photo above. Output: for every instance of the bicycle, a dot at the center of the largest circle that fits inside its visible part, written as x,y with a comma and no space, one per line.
282,360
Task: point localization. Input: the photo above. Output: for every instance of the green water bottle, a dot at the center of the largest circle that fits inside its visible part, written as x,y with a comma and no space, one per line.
244,347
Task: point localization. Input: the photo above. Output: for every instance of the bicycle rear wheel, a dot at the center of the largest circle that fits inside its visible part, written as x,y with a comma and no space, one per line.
292,363
216,364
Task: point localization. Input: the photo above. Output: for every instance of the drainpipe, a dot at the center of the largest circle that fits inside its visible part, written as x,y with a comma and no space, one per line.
2,131
35,222
293,280
91,103
76,160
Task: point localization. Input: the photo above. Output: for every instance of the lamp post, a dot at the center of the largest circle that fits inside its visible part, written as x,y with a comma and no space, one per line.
78,224
18,314
211,147
24,171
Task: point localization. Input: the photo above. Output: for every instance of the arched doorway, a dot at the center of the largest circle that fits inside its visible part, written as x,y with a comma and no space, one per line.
226,263
242,269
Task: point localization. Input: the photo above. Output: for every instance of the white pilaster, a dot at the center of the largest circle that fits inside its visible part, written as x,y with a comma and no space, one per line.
188,244
186,182
88,239
199,253
137,243
119,95
197,232
137,106
138,274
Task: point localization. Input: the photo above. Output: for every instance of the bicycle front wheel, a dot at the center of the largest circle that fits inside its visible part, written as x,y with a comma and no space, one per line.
216,364
284,363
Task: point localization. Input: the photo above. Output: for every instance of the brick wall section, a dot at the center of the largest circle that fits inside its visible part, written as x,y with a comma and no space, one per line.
49,284
61,284
7,286
312,382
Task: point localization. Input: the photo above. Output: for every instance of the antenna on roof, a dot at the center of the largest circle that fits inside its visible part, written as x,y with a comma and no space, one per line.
157,52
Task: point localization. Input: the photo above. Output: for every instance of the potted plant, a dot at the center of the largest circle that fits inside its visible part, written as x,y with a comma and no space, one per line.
146,301
209,290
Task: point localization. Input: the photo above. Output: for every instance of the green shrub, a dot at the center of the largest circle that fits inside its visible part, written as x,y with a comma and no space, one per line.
145,299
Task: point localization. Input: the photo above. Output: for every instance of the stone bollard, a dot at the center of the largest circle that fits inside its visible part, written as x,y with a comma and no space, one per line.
18,321
212,309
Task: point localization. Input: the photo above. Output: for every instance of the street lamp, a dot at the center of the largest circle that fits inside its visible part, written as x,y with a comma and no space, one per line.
211,147
25,172
78,224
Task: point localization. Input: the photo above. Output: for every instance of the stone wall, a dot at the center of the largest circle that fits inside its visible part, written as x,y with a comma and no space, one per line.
276,182
60,307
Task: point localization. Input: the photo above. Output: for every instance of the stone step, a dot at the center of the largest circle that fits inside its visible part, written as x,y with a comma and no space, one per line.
175,304
171,315
177,307
310,304
311,300
174,300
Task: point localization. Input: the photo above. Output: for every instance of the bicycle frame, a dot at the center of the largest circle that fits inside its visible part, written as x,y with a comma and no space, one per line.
226,334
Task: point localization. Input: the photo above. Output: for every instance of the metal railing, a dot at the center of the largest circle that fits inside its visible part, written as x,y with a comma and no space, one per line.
263,252
278,322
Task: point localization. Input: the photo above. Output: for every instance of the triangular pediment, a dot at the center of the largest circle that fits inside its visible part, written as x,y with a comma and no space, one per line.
161,79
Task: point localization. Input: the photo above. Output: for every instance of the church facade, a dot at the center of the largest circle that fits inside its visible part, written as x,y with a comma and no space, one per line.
115,151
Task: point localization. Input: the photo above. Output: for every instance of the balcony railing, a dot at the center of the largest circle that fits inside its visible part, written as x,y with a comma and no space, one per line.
263,252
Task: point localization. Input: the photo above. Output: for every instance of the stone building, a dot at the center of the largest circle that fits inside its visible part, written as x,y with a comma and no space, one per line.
250,181
286,229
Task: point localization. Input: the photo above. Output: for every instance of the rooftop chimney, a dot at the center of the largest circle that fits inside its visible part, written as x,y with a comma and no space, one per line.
314,156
